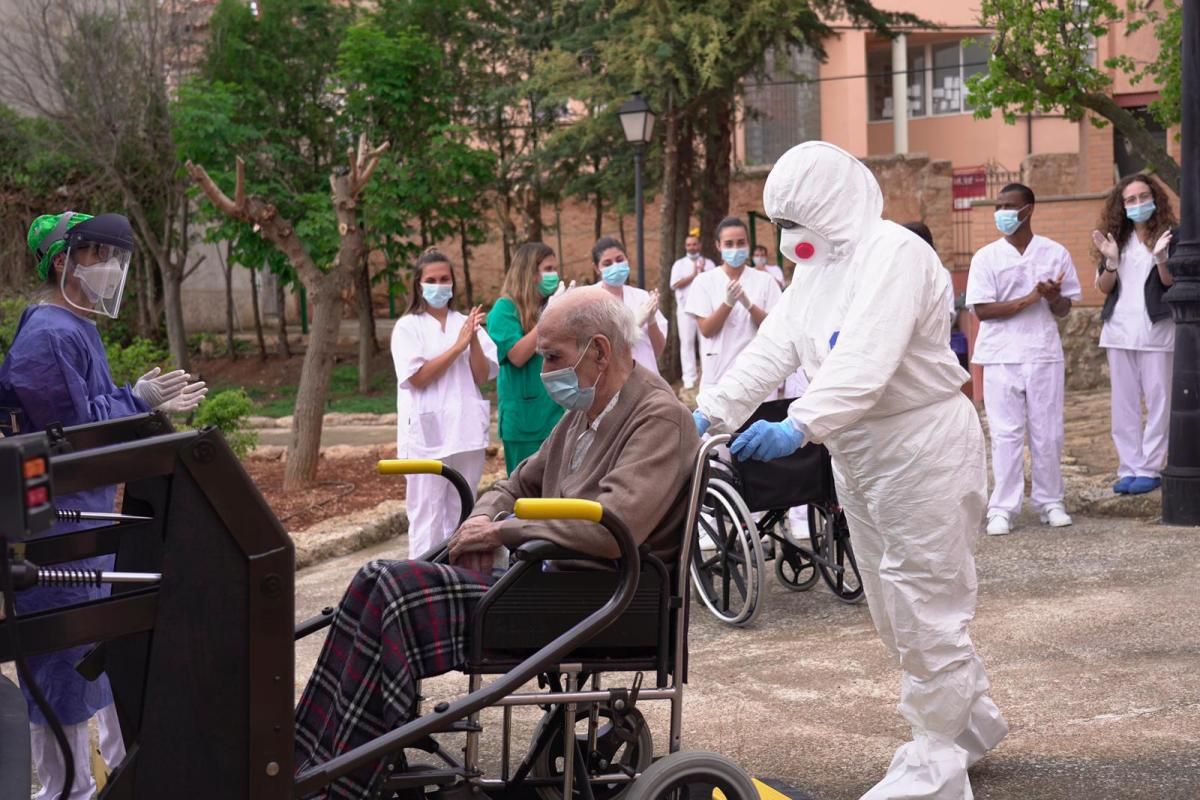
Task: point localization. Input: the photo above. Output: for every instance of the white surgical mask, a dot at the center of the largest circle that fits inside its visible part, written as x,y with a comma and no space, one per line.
760,261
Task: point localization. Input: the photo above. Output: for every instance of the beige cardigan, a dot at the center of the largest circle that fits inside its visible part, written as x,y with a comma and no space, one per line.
639,467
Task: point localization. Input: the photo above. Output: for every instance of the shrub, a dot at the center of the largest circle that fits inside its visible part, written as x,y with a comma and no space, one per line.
130,362
228,411
10,315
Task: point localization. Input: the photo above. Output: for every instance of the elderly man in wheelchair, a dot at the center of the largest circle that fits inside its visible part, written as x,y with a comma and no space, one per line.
627,444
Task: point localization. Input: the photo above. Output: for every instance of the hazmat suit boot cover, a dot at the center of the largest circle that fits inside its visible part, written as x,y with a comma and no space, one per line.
928,767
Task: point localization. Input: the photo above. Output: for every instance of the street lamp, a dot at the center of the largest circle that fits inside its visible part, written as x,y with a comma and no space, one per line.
637,120
1181,478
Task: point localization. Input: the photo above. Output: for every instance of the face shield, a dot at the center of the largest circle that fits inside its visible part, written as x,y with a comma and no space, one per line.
97,264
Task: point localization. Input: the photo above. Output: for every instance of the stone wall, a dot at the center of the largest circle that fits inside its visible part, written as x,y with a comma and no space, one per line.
1051,174
1086,364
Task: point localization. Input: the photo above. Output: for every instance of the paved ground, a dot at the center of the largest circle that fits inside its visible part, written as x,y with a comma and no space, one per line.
1091,635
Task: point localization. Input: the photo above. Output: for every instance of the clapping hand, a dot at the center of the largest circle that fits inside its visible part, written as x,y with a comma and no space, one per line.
1051,290
466,334
1108,248
646,313
734,293
1162,248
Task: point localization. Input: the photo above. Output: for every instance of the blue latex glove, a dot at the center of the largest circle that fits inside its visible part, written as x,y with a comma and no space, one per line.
767,441
701,421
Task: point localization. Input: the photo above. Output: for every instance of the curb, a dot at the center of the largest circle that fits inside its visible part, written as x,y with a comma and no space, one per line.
342,536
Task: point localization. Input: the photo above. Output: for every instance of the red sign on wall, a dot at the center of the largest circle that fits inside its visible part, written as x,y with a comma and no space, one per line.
968,183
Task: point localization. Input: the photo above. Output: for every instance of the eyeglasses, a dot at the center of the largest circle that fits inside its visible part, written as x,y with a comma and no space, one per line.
1132,200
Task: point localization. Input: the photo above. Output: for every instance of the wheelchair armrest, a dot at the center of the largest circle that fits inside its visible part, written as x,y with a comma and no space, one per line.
542,550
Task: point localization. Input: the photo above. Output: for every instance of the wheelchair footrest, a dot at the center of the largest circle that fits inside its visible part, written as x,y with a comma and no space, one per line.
419,776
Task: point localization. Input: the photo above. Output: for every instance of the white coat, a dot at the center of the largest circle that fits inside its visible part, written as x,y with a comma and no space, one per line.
906,444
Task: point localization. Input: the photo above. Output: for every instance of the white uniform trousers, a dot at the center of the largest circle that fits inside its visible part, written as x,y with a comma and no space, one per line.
432,502
48,761
1139,375
689,342
1022,398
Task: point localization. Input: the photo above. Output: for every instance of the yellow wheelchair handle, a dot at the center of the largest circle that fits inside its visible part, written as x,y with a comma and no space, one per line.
558,508
410,466
431,466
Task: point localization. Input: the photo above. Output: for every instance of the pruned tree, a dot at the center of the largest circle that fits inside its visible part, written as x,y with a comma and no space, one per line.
1044,60
325,286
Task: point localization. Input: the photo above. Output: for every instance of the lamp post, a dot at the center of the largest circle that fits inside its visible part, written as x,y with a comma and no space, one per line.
637,120
1181,478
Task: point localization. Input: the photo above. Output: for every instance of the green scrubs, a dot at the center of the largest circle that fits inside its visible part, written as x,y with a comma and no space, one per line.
527,414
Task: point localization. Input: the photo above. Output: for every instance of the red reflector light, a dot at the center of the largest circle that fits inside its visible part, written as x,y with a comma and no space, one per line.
38,495
35,468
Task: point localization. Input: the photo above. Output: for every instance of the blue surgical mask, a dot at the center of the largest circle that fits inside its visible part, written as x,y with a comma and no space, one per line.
615,274
1007,220
735,257
1141,212
563,386
437,294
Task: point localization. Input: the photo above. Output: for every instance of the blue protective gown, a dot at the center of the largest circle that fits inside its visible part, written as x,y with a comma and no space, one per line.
57,371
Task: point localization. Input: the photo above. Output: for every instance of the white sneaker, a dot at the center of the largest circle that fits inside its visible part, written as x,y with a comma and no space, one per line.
998,524
1056,516
689,385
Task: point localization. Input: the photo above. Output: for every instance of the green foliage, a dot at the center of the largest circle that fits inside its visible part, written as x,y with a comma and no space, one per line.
344,397
10,314
128,362
228,411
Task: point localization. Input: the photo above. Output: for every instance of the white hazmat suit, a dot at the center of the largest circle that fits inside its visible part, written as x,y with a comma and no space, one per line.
906,444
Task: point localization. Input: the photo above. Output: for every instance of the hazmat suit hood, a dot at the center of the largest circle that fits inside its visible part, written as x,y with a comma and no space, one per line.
821,187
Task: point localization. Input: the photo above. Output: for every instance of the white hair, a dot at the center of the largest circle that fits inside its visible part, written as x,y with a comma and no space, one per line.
602,314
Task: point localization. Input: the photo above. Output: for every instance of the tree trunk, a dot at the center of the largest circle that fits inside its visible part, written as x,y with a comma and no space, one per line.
621,228
173,304
367,346
285,349
227,268
466,261
714,185
598,225
669,363
258,326
304,445
683,200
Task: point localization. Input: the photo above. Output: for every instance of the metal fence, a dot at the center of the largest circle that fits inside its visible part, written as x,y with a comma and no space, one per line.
972,183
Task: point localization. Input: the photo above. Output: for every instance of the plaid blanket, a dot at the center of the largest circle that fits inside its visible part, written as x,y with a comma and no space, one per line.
398,622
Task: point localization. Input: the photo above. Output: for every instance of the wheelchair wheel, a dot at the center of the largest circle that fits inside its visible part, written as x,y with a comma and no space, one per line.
614,752
693,776
728,578
795,568
831,543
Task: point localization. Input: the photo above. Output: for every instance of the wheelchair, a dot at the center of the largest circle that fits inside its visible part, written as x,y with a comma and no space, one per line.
591,740
744,514
198,641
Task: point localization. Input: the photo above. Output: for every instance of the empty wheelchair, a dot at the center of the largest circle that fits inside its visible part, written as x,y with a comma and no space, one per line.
743,524
572,631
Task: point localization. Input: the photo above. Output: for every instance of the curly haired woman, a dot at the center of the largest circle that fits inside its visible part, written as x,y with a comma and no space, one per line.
1138,334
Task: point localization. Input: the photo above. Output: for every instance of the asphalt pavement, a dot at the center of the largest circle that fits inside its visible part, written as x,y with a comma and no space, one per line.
1091,636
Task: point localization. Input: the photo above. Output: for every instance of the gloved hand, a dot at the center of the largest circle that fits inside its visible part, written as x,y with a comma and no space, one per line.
702,422
1162,248
155,389
186,400
745,300
734,293
767,441
646,312
562,289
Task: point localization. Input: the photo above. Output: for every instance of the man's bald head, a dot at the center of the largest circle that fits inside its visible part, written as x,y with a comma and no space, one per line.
587,313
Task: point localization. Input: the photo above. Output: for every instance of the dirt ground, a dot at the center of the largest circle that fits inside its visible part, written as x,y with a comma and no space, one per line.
345,484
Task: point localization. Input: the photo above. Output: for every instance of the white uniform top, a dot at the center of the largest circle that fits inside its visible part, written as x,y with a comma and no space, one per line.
1129,327
449,415
681,269
643,352
718,353
998,274
776,272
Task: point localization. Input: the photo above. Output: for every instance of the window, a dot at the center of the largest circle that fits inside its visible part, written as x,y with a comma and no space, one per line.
937,78
879,83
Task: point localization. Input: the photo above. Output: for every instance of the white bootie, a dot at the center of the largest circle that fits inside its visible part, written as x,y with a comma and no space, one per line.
930,767
985,729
